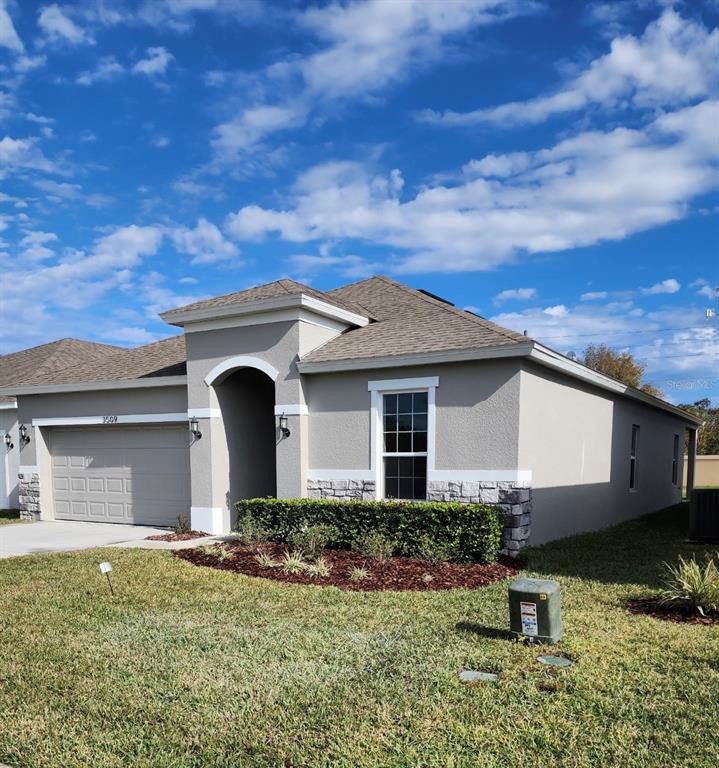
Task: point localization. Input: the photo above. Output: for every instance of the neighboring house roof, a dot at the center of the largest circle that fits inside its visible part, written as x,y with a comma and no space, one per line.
408,322
41,362
279,288
159,359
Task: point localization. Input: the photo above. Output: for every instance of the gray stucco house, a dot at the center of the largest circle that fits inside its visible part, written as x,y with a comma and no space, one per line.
370,390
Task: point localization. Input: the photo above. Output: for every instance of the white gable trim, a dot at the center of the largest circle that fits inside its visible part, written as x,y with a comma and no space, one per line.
241,361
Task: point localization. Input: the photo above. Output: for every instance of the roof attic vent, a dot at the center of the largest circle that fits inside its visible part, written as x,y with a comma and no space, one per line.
434,296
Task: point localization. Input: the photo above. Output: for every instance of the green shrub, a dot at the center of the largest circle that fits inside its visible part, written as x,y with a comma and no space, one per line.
433,550
470,532
311,539
375,544
250,532
265,561
183,524
691,583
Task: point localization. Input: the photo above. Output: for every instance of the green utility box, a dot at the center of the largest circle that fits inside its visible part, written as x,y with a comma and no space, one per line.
535,611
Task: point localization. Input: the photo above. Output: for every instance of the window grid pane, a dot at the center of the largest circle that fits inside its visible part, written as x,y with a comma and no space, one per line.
405,432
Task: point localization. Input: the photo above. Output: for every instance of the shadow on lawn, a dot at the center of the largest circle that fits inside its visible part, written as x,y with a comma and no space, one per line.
631,553
493,633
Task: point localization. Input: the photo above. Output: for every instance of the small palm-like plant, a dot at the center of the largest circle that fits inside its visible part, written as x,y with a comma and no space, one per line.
320,569
223,553
358,574
293,562
693,583
264,560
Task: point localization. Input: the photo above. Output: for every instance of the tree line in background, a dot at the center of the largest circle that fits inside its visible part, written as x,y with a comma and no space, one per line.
623,367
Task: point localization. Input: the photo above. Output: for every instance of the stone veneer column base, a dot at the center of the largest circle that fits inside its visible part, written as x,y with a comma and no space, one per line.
341,489
513,498
29,495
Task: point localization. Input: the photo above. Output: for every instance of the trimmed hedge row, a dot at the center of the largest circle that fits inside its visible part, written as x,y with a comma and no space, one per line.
471,532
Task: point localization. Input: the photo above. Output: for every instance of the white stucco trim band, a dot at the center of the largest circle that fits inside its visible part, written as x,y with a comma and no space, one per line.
204,413
481,475
8,406
207,519
266,307
340,474
92,386
136,418
295,409
28,469
240,361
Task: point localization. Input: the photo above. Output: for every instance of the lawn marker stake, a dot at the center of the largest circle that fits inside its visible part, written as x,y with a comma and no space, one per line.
106,568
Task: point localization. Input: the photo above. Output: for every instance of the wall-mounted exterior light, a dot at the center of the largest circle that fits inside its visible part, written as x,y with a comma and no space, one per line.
24,437
8,441
284,428
195,430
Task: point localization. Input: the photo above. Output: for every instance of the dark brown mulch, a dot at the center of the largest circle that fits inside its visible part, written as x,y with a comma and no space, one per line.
177,536
395,573
676,611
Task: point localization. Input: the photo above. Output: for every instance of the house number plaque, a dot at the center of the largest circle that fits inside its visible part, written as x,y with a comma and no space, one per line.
109,419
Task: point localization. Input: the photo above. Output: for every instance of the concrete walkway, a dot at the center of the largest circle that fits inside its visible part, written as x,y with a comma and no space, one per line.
67,536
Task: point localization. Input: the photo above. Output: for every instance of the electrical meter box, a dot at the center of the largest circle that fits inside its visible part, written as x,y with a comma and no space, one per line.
535,611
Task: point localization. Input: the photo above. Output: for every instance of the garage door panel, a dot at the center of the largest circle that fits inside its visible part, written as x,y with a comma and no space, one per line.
121,474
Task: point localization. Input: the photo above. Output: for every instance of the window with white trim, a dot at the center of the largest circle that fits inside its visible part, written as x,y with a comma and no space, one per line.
675,461
404,444
633,458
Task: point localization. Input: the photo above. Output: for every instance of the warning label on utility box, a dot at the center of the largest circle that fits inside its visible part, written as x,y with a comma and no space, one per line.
528,612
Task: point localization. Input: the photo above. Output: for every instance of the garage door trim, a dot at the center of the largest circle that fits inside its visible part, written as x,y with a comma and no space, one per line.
117,418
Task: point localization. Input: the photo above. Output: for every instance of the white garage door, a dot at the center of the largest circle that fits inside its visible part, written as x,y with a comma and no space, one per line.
121,474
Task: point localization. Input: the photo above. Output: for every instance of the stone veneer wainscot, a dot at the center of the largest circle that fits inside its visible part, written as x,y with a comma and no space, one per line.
29,498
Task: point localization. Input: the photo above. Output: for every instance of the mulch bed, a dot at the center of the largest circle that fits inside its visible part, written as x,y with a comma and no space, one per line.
395,573
177,536
680,612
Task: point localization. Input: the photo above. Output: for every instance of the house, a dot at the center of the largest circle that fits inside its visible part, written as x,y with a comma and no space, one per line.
370,390
17,369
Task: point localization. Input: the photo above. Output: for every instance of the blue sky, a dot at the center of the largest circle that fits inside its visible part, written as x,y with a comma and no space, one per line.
552,165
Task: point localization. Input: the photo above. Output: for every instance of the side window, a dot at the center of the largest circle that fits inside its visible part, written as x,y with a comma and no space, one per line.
404,445
675,461
633,477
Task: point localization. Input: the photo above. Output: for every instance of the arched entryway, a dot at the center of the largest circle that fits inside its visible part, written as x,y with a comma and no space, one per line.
246,398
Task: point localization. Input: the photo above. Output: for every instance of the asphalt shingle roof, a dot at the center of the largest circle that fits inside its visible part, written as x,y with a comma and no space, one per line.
42,362
408,321
283,287
161,358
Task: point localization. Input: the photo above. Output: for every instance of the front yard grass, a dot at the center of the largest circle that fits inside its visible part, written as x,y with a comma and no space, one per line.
188,666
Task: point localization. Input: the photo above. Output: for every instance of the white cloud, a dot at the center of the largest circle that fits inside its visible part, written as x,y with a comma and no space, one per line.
665,286
34,247
515,294
672,341
673,63
348,265
8,34
559,310
205,243
155,63
23,155
588,188
108,68
368,46
57,26
708,292
594,295
62,191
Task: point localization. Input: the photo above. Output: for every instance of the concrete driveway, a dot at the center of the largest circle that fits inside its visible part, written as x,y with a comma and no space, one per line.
67,535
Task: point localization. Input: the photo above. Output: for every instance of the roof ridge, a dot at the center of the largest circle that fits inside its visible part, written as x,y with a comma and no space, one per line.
447,308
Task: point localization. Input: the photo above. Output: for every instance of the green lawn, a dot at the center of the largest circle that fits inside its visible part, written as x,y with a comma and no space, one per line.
9,516
203,668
